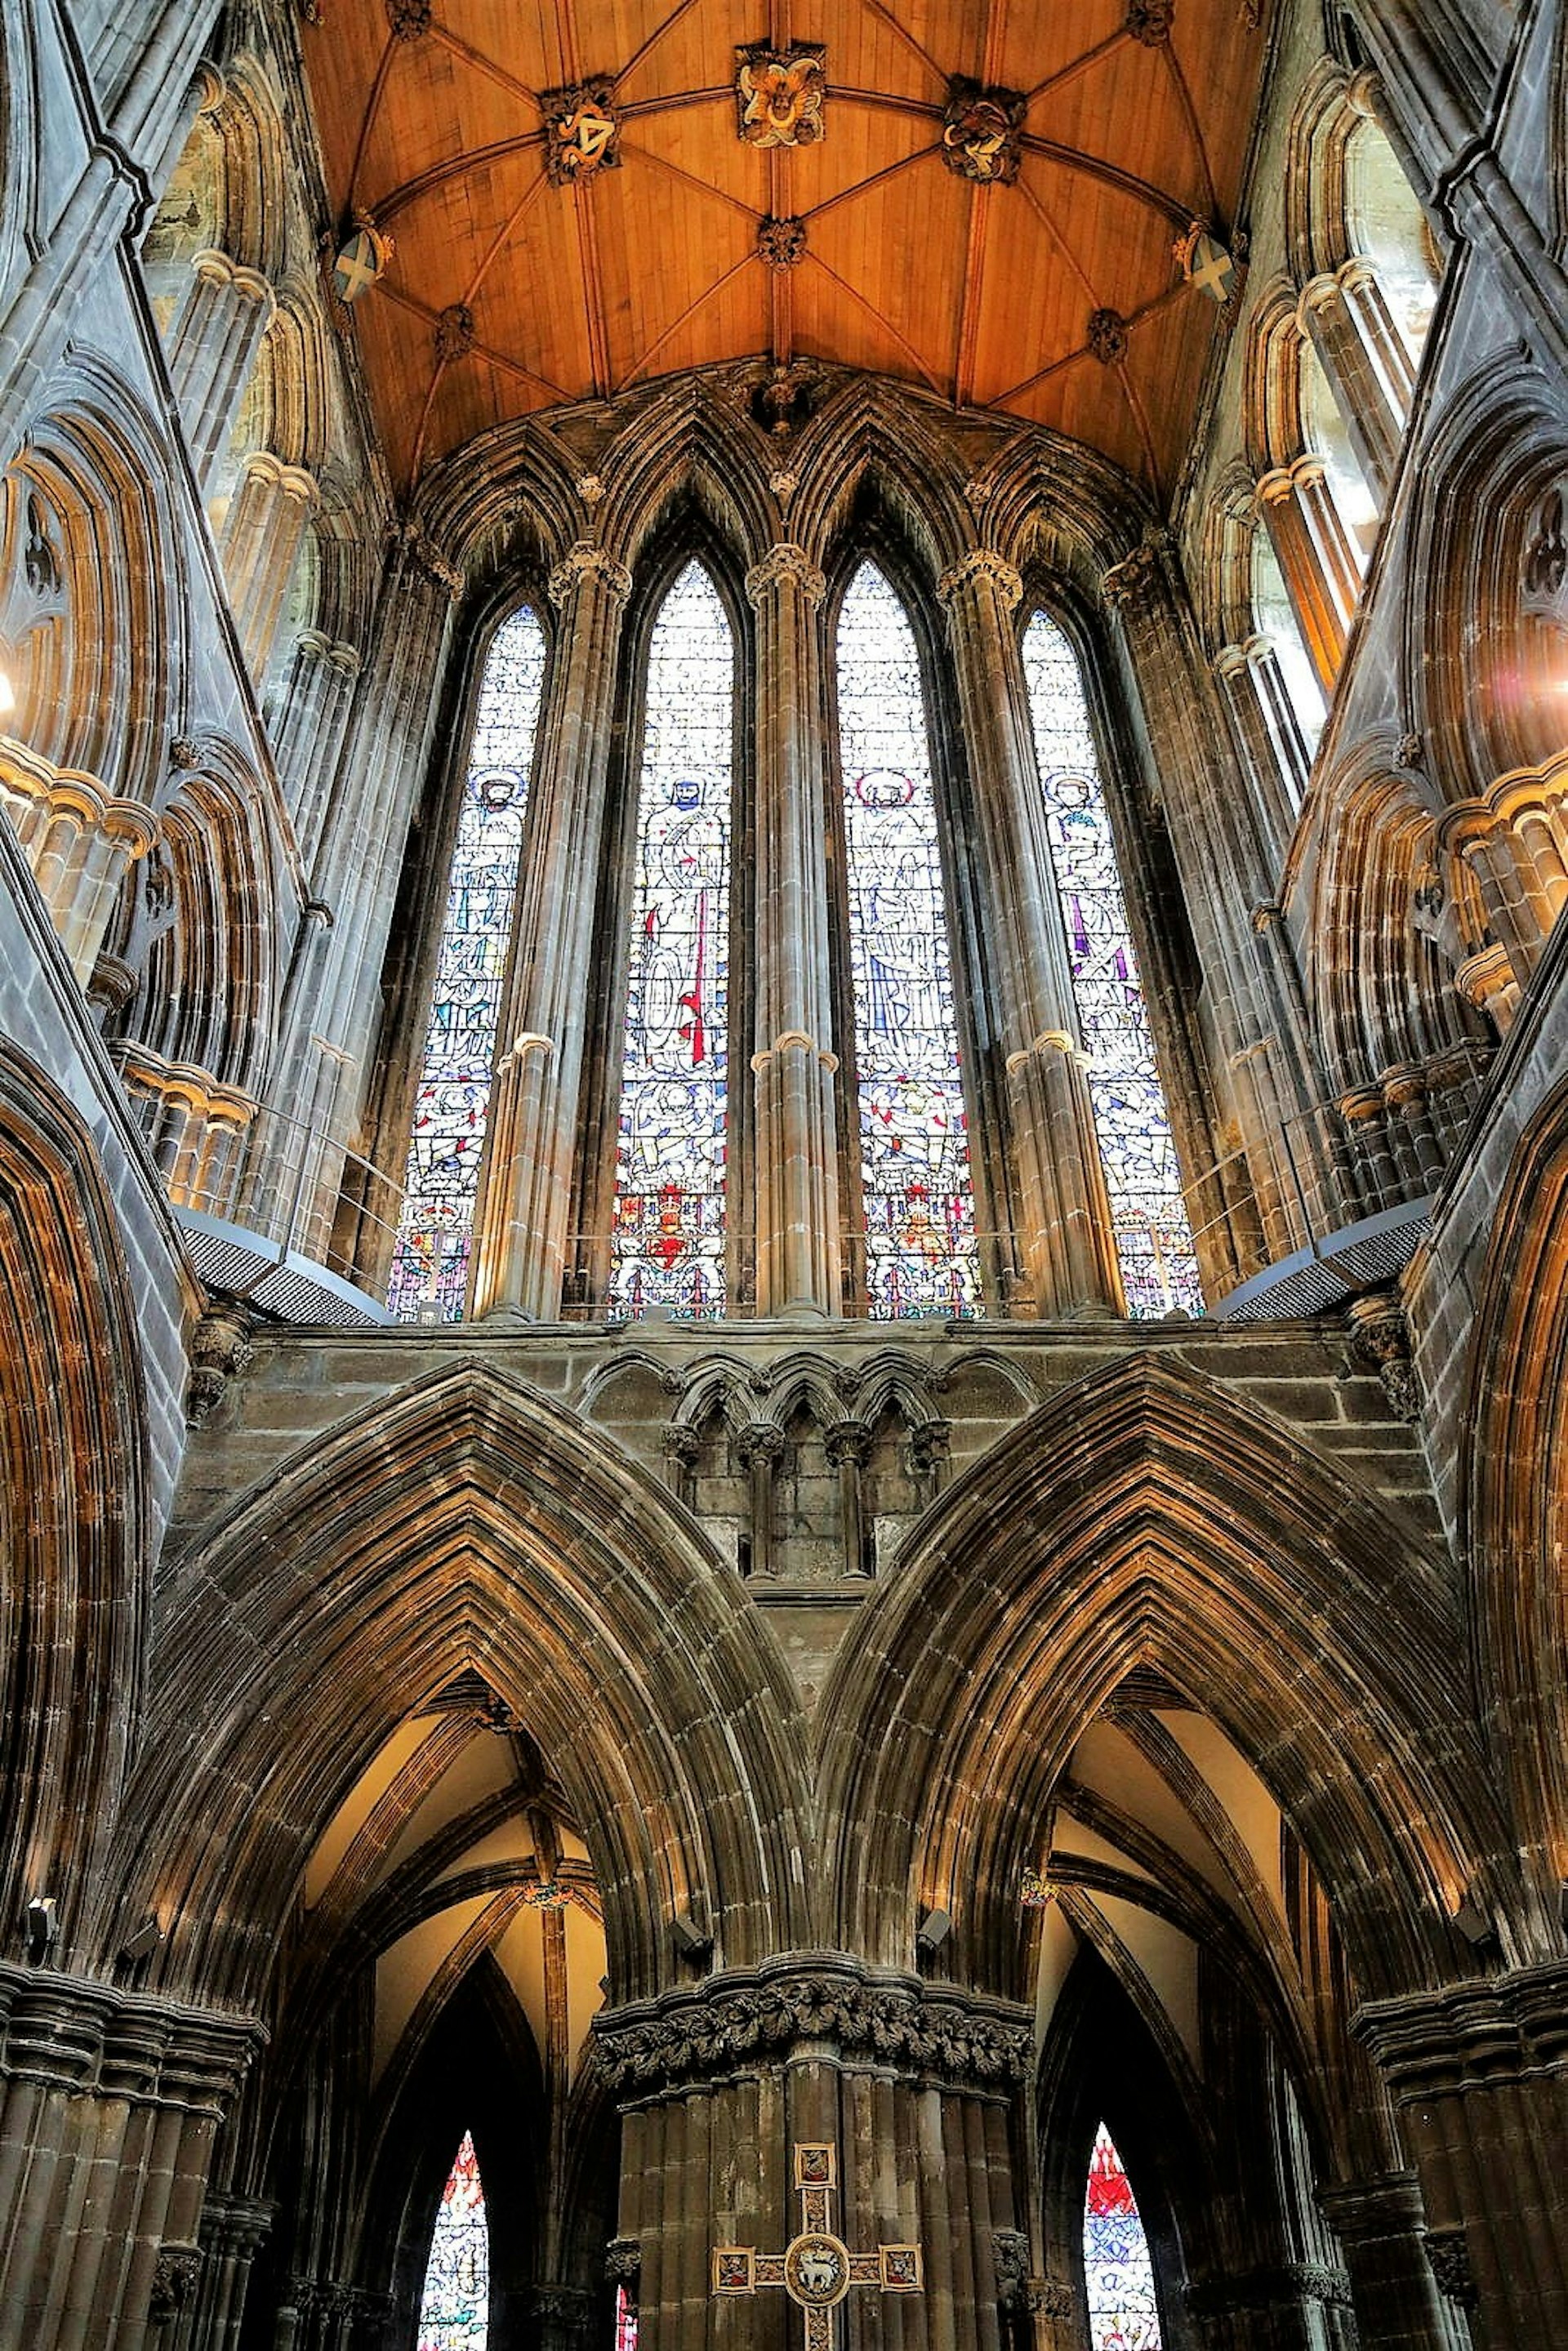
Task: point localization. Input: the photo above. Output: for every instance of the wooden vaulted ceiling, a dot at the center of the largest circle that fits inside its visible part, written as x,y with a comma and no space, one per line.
1136,124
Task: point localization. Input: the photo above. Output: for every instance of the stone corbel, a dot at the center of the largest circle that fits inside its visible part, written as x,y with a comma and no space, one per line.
221,1351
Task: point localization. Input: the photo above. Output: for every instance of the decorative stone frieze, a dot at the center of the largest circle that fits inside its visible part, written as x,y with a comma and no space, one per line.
758,2016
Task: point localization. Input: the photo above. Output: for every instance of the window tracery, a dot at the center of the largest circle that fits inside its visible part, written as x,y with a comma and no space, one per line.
1153,1238
1118,2274
921,1254
667,1248
430,1264
454,2307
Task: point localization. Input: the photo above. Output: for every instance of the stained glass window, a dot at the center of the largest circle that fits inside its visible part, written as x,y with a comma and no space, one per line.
1117,2271
430,1266
1153,1238
921,1257
455,2309
625,2321
667,1249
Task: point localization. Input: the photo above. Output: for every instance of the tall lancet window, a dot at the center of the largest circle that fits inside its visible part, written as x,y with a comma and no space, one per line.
1118,2275
455,2309
921,1257
668,1245
1153,1238
430,1266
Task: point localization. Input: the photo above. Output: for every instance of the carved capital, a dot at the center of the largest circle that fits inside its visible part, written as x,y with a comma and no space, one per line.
1010,2251
586,561
1050,2297
1134,581
760,1442
681,1444
1449,2253
847,1440
786,561
983,567
623,2263
219,1350
1380,1338
175,2275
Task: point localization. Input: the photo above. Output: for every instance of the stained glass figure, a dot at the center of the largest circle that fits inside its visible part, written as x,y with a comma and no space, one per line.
1154,1238
668,1245
625,2321
921,1257
430,1266
454,2308
1118,2274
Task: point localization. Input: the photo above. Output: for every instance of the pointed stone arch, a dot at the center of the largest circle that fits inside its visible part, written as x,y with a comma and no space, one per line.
467,1520
1145,1515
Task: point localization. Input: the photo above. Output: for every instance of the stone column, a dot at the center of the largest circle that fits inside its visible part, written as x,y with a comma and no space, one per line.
1478,2074
80,841
760,1445
261,545
1380,2226
848,1446
915,2090
1368,368
798,1257
1276,750
524,1211
233,2227
1317,561
1068,1241
311,718
212,344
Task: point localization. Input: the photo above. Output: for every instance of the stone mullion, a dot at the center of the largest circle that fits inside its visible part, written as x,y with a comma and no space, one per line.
1270,735
261,546
213,345
1315,558
1379,2225
522,1234
1363,394
1068,1242
796,1149
313,712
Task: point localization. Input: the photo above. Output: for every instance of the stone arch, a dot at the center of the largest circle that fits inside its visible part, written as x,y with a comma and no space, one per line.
689,445
1145,1516
1513,1505
869,441
467,1522
72,1500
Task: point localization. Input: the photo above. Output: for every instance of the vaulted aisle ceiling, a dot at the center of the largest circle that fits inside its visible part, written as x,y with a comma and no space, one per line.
508,289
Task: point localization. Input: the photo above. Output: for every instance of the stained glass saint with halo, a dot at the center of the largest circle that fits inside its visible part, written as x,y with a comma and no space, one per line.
921,1256
430,1264
454,2308
1153,1238
1118,2274
667,1249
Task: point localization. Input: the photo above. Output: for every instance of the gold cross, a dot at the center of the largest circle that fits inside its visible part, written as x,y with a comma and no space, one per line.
817,2269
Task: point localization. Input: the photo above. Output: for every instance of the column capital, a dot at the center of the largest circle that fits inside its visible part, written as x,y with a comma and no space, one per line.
1373,2207
983,564
786,561
292,481
585,562
1477,2034
1135,579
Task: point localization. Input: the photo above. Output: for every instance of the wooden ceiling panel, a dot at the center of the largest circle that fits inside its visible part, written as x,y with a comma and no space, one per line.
983,293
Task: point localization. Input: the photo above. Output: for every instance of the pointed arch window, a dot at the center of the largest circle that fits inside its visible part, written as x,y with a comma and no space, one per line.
667,1248
1153,1238
1118,2274
921,1256
430,1263
454,2308
452,1097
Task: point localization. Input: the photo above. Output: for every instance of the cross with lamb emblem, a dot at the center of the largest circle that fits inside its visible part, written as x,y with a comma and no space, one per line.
817,2269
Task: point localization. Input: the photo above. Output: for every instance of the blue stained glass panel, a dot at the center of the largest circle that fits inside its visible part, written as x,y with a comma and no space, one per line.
454,2308
430,1264
1118,2275
1153,1238
921,1257
667,1250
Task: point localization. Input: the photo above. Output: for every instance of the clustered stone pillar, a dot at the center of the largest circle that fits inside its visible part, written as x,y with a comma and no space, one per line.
1515,843
1277,758
314,707
1352,328
109,2104
1478,2074
80,841
1381,2228
213,345
916,2090
524,1213
261,545
1068,1241
798,1253
1317,561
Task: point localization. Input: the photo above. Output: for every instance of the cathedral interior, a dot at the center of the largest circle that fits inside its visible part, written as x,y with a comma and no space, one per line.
783,1174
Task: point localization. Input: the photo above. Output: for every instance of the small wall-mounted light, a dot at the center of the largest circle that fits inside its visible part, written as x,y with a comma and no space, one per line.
142,1944
690,1942
43,1927
1474,1925
933,1931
